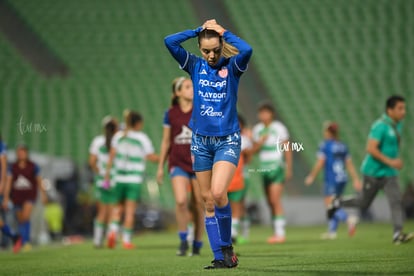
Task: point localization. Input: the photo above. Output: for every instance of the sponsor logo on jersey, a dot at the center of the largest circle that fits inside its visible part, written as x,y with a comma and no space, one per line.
231,153
211,95
209,111
184,138
223,72
22,183
204,83
203,72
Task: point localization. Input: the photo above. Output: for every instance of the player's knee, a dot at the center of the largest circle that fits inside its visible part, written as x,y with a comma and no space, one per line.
181,204
219,195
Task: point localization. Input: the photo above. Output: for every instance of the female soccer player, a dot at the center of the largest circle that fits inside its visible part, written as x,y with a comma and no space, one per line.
271,140
215,143
5,229
334,158
23,183
129,151
98,158
175,146
237,188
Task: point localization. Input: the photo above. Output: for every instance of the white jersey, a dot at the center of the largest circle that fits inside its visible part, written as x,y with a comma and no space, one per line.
132,150
98,148
271,153
246,143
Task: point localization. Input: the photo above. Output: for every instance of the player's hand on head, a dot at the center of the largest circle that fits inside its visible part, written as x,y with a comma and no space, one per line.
209,22
213,25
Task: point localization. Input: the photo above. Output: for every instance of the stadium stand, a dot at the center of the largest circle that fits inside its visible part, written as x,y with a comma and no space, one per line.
332,60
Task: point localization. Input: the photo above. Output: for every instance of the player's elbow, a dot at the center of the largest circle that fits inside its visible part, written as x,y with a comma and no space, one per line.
169,41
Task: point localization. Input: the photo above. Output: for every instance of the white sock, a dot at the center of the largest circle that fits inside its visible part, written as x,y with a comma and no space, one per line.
98,231
190,231
126,236
235,223
245,223
279,224
114,227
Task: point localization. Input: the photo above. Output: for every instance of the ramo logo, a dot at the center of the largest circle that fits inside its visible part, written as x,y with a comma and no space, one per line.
209,111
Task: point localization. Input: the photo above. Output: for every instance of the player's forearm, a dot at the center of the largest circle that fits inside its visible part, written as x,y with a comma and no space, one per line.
377,154
110,162
7,188
351,170
288,160
165,147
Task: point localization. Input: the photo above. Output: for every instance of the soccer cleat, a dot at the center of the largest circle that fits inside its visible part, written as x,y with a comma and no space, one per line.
27,247
230,259
182,250
352,222
276,239
128,245
195,252
215,264
242,240
111,240
403,238
17,243
329,236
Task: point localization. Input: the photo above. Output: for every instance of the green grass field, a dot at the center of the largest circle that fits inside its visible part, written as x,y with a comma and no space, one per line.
370,252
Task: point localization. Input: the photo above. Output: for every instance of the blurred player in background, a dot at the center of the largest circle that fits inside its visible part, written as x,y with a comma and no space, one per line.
175,146
130,149
237,188
333,157
216,141
23,183
381,165
270,139
104,191
5,229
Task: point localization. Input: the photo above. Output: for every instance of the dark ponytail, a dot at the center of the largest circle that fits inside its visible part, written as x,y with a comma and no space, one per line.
110,126
109,129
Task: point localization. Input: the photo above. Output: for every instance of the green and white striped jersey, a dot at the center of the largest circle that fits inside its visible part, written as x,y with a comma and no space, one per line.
271,153
98,148
132,150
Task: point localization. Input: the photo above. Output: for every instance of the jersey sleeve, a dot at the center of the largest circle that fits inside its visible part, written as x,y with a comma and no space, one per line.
255,133
283,132
94,147
36,170
115,139
245,143
185,59
377,131
347,155
321,153
3,149
148,147
241,60
166,121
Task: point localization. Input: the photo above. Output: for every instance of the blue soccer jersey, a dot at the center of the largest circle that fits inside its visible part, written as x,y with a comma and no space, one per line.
335,154
215,87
